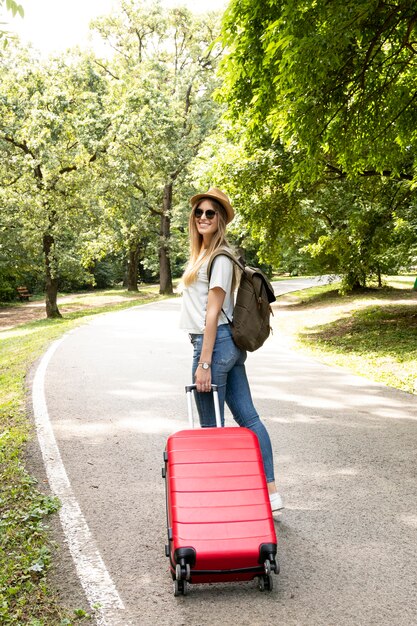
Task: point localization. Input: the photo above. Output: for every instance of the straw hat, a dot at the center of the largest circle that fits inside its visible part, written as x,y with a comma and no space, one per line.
218,195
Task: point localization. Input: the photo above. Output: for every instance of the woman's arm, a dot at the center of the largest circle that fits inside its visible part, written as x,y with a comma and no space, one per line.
214,306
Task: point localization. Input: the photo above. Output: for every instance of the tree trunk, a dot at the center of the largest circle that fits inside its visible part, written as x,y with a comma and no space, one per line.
352,281
51,282
132,268
378,269
165,276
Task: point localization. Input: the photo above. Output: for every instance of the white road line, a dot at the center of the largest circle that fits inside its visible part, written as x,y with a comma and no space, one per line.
95,579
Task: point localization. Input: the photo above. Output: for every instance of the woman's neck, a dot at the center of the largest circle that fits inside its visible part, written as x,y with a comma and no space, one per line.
206,241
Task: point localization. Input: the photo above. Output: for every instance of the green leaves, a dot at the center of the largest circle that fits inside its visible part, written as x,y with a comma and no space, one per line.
24,554
160,78
13,7
53,130
334,77
325,93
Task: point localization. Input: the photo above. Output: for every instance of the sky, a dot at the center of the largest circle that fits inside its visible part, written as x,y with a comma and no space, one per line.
55,25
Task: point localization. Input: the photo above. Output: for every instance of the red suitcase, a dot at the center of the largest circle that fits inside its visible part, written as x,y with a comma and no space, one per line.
219,518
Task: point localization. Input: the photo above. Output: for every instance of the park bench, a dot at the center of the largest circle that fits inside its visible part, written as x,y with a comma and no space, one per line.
23,293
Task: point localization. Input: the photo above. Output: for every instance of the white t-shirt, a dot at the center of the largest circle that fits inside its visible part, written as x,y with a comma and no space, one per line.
194,297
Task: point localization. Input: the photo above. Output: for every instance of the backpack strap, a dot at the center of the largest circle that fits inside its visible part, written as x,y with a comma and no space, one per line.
224,252
230,255
250,272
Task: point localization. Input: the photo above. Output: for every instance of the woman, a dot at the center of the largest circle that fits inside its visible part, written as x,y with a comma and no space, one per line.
205,309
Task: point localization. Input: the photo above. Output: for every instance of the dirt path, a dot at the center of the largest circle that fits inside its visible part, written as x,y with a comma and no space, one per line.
29,311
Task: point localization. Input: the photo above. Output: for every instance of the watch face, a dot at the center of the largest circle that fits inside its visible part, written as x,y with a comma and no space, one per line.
205,366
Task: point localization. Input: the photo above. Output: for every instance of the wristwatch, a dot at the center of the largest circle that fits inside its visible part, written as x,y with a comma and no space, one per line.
205,366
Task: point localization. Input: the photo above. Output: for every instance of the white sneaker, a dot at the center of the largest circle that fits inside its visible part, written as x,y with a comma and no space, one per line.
276,501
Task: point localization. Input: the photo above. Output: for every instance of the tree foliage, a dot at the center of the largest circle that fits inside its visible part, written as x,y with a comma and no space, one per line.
335,81
94,150
357,227
53,128
323,97
12,6
15,9
100,155
162,77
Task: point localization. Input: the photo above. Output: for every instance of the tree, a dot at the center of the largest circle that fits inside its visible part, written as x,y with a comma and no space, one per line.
12,7
357,228
127,225
162,77
255,172
334,81
15,9
325,93
53,128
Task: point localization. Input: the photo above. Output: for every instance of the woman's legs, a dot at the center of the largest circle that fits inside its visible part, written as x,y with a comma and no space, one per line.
229,373
239,401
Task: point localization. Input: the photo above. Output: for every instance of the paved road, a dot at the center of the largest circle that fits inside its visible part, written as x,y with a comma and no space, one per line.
345,455
295,284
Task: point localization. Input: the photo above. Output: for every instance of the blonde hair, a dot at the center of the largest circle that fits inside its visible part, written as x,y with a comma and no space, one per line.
198,254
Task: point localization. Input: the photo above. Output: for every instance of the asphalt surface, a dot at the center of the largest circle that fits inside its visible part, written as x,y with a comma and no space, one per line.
345,458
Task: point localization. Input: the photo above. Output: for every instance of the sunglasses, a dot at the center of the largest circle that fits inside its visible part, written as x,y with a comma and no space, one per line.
210,213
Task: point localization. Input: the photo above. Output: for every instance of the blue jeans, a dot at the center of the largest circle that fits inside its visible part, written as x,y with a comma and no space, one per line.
229,373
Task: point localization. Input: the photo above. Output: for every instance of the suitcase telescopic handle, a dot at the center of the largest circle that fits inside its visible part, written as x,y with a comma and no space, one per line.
215,390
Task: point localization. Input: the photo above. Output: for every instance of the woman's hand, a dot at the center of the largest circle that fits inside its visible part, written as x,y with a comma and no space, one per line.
203,379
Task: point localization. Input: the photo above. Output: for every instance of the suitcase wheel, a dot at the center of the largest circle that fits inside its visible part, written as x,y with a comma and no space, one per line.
265,583
271,565
183,571
180,588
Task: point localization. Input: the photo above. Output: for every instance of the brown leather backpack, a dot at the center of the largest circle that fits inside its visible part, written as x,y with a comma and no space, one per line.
252,312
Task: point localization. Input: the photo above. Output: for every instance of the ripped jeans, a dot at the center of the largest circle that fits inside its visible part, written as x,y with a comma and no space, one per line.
229,373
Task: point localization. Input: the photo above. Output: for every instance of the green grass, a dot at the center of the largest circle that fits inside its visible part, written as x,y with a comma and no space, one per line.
25,551
373,333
